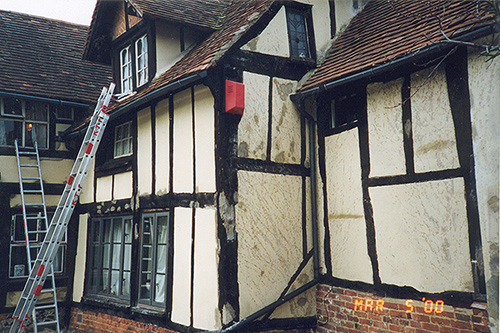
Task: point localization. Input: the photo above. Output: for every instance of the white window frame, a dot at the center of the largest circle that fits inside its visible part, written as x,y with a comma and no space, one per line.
141,54
126,83
128,139
26,122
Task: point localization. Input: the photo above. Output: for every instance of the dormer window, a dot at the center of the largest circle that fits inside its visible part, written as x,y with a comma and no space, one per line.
141,51
133,62
300,32
126,70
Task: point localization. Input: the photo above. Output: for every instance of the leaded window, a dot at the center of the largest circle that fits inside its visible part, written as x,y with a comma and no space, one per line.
110,256
154,250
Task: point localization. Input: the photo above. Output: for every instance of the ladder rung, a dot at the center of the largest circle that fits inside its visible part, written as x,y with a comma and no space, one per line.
35,217
45,306
36,231
33,204
30,178
29,165
52,322
27,152
32,191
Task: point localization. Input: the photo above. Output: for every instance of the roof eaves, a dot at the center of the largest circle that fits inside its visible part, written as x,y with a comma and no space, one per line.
408,58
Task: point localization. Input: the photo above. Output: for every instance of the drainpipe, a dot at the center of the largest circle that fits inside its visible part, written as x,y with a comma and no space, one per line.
314,224
314,211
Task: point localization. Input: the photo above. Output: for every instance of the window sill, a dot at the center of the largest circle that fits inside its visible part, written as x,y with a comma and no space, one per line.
106,301
149,310
113,166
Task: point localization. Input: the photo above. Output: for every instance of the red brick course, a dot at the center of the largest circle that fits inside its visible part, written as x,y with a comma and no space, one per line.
345,310
87,321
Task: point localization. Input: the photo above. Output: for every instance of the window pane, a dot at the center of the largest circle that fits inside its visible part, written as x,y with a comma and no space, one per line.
10,130
36,111
12,107
18,262
298,33
38,130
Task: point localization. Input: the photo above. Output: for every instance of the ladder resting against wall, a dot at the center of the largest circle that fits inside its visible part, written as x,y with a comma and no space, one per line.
41,268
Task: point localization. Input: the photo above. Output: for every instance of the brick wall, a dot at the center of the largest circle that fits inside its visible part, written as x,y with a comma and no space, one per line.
88,321
345,310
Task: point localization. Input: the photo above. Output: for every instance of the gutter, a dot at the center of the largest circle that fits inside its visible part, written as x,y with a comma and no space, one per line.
167,89
368,73
43,99
159,92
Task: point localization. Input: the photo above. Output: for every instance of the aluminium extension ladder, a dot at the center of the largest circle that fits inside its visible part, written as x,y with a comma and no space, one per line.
57,228
35,228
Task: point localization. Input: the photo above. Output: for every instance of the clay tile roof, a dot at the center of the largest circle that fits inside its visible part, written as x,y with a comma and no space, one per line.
386,30
238,18
198,13
43,57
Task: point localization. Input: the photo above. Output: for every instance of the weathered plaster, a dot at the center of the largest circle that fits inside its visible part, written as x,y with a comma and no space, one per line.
273,40
183,143
206,313
162,140
286,137
80,259
385,129
301,305
422,235
50,200
122,188
204,121
181,290
87,194
484,85
346,217
253,126
8,170
104,189
269,227
144,146
434,142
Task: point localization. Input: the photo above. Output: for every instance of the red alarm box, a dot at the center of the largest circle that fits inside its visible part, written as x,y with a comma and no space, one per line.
235,97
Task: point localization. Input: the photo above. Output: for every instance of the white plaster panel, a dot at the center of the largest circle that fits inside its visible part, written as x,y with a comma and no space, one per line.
183,142
253,126
50,200
286,133
87,194
144,150
122,188
204,120
8,169
269,226
206,313
484,85
343,14
434,142
80,259
162,165
181,290
385,129
273,40
55,171
104,188
422,235
346,218
168,45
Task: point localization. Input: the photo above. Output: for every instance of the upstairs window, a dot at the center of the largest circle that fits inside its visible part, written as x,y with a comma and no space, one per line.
126,70
123,140
141,51
24,121
134,65
300,32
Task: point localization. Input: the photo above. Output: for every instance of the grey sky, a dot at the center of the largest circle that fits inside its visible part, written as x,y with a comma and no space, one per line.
76,11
